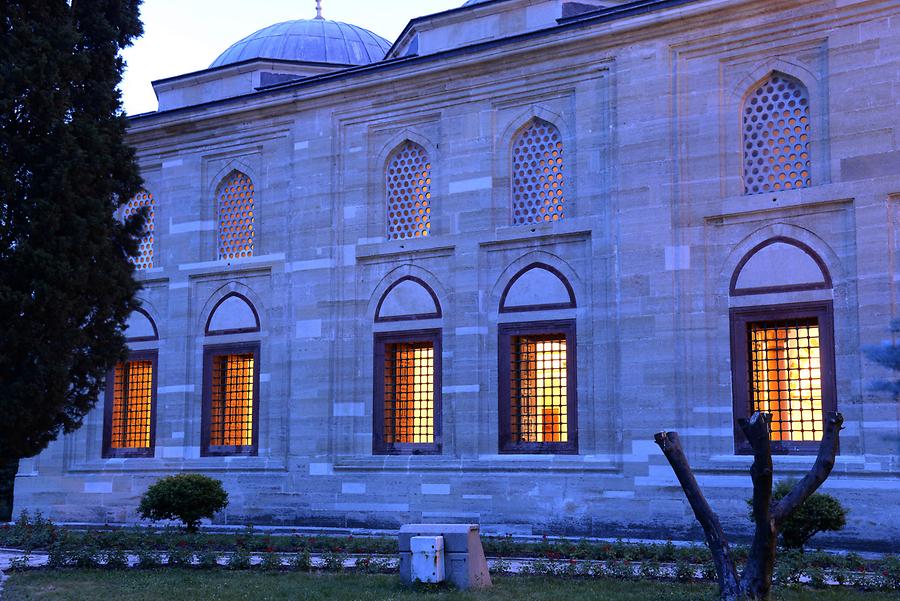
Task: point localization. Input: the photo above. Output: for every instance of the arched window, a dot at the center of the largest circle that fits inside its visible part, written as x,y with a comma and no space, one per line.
408,189
230,418
129,417
235,216
407,372
144,259
783,353
537,365
776,136
537,174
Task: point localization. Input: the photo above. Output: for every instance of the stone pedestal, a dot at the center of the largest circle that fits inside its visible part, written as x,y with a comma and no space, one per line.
464,562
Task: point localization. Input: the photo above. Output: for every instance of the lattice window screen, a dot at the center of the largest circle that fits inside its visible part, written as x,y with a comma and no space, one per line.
539,387
786,377
132,405
144,259
776,136
537,179
409,393
408,185
235,209
231,407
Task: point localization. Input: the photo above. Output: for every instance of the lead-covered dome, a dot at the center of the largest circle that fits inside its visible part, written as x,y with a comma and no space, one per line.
309,40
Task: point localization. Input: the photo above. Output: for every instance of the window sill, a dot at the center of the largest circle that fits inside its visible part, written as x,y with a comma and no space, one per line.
483,464
233,463
782,463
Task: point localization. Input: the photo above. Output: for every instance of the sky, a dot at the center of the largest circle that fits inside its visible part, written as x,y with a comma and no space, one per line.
181,36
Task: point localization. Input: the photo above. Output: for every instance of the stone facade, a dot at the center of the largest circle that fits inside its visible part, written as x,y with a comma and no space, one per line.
648,104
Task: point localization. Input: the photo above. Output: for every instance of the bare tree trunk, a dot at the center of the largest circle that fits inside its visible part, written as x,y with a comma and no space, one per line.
756,581
8,470
729,586
821,469
755,584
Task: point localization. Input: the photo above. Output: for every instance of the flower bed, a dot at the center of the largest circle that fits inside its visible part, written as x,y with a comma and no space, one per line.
144,547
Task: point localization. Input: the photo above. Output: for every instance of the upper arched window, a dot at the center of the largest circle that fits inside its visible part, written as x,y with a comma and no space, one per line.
776,136
235,216
537,174
144,258
408,188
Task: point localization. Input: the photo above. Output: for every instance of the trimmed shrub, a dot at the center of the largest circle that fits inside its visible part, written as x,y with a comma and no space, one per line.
185,497
819,513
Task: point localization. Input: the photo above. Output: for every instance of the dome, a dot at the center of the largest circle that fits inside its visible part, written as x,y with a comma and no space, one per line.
308,40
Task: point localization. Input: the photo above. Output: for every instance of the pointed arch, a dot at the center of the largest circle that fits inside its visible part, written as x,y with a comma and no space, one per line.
233,314
408,272
235,216
779,264
537,178
141,327
776,135
537,287
408,298
408,191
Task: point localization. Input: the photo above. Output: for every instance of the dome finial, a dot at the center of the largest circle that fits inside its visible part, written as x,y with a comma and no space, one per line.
319,9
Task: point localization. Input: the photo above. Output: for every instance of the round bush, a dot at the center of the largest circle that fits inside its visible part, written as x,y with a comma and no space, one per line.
819,513
185,497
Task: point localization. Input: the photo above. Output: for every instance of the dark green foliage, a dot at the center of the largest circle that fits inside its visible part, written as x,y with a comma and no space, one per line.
185,497
66,286
888,355
819,513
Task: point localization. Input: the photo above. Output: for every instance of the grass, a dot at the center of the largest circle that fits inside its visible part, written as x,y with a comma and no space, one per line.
191,585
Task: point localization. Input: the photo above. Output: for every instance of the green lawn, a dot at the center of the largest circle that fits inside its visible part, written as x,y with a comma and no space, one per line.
195,585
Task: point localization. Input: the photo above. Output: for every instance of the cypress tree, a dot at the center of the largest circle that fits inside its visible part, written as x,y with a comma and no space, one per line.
66,286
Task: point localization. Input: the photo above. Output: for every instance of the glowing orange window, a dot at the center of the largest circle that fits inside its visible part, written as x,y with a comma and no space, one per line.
539,385
130,405
231,393
408,392
786,377
538,409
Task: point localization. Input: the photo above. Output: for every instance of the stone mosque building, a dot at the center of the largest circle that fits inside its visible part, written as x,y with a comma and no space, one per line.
466,275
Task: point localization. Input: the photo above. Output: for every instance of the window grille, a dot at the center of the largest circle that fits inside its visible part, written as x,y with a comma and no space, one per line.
786,377
408,186
539,389
409,393
144,259
407,405
537,178
235,206
132,405
776,136
232,400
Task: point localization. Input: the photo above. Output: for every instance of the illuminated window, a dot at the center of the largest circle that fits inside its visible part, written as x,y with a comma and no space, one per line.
231,404
537,174
130,405
407,400
785,366
537,388
235,214
408,187
776,136
144,259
